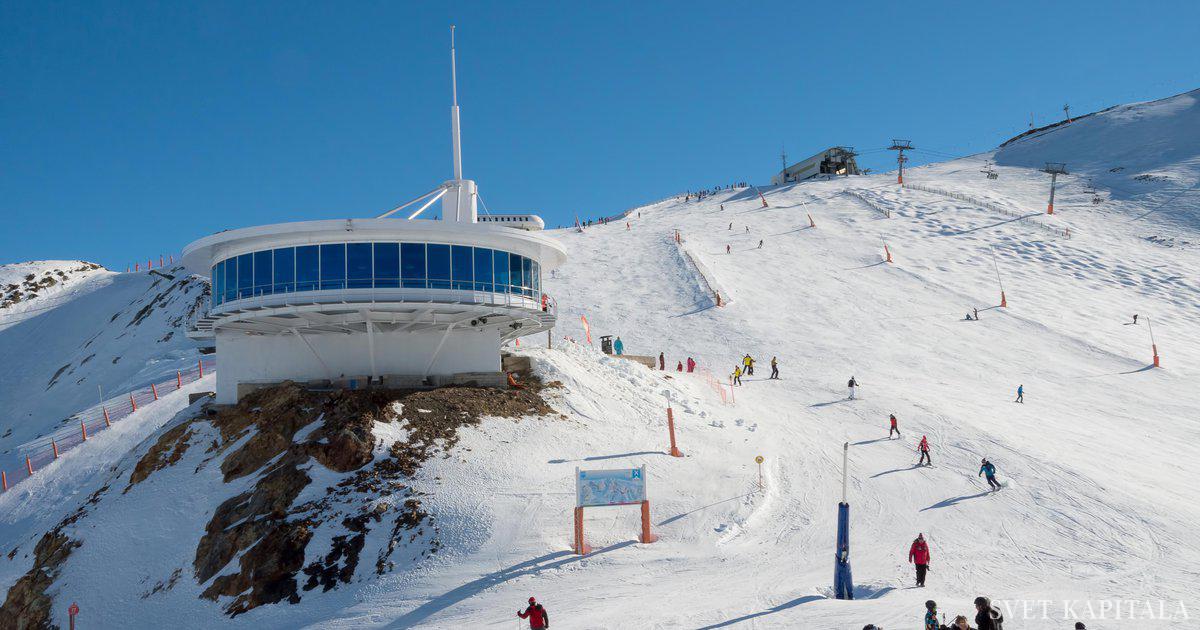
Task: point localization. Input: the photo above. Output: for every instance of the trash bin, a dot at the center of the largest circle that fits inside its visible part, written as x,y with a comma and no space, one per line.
606,344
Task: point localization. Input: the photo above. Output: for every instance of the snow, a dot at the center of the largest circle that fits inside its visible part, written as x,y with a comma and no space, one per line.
1099,465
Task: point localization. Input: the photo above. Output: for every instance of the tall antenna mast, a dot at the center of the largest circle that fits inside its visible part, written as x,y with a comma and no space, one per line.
454,131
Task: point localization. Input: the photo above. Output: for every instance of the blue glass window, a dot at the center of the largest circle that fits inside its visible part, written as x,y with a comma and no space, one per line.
527,276
218,282
483,269
262,272
230,285
285,269
308,267
412,265
358,265
245,275
514,273
333,267
439,266
500,271
462,262
387,265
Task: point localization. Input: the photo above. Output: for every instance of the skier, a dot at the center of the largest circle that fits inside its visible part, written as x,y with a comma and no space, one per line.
760,243
747,229
748,362
538,618
731,225
918,554
723,210
923,447
737,375
852,384
679,366
931,622
1135,318
618,346
774,368
987,617
987,468
895,429
976,314
726,249
662,362
1020,394
691,364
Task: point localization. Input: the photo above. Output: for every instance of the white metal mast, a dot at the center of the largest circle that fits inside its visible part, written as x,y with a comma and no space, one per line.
454,130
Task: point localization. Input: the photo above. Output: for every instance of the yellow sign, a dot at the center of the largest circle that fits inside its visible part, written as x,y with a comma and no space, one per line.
758,460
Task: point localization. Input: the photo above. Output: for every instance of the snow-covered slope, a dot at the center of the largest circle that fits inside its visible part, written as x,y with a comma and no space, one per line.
1099,464
94,328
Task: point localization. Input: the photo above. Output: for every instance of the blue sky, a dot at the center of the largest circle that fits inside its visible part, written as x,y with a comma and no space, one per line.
128,129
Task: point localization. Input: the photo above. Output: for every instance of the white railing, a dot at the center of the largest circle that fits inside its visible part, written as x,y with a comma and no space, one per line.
388,295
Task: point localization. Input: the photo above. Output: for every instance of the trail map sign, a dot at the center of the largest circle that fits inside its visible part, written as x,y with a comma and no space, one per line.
623,486
601,488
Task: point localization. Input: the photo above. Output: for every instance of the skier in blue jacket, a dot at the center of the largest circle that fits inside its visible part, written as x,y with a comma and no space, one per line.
618,346
988,469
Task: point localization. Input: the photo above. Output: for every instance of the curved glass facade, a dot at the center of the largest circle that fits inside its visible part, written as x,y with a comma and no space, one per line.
336,266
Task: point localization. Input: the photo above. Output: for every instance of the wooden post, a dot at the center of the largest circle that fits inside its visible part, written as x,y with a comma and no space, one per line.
647,537
581,547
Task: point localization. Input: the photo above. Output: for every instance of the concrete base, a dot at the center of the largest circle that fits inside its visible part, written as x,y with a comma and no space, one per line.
249,361
650,362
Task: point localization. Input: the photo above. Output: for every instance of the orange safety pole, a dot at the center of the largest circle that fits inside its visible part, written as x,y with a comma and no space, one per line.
83,427
137,266
154,388
29,465
107,423
888,252
1155,348
160,260
132,402
201,364
1003,300
647,537
671,429
811,223
55,446
4,480
178,379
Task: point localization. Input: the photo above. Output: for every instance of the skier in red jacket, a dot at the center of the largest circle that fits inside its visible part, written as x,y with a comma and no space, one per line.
895,429
923,447
918,554
538,618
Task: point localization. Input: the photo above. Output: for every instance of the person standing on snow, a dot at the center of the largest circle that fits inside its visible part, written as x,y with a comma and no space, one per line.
679,366
727,249
691,364
662,362
986,468
538,618
748,362
774,368
895,429
618,346
852,384
737,375
987,617
976,314
1020,394
923,447
731,225
760,243
931,622
1135,318
918,554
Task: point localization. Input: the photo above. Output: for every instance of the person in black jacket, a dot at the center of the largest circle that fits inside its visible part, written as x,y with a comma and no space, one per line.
986,616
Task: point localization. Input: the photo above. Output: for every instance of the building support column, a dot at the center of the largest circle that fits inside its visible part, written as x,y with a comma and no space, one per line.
371,347
438,350
328,373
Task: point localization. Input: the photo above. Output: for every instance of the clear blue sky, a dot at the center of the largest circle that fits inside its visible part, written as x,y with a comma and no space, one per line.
128,129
